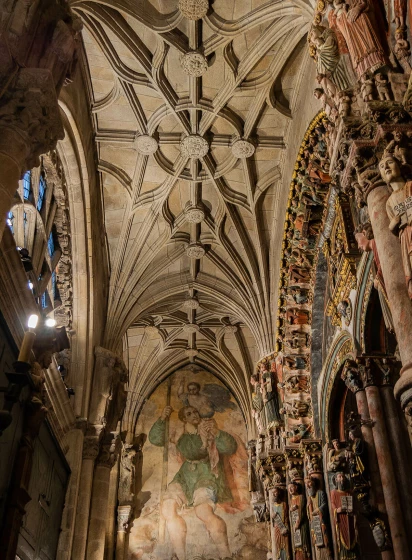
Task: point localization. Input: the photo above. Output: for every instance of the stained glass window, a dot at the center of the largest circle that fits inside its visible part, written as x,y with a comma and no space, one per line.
54,286
50,244
24,226
27,185
44,300
10,218
42,191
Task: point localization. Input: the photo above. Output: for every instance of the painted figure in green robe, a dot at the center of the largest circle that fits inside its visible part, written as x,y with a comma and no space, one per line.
200,482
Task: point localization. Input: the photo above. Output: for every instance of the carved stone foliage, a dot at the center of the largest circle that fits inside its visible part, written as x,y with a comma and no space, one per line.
146,144
194,9
195,251
194,64
194,146
63,313
243,149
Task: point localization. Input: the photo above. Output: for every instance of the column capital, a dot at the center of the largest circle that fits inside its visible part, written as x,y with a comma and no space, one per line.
123,518
109,451
90,448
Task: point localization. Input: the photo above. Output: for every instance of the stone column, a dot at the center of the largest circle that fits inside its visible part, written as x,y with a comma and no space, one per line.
350,376
387,472
389,251
90,452
402,454
74,440
111,513
123,520
100,499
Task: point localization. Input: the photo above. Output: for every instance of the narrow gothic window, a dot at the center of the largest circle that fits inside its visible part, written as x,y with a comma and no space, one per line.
27,185
42,192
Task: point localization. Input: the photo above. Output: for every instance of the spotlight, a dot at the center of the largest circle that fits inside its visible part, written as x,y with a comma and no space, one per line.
50,322
70,391
32,322
30,284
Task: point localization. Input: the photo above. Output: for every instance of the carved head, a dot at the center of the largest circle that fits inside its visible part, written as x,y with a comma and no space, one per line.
277,494
390,168
293,488
363,241
340,481
336,444
318,92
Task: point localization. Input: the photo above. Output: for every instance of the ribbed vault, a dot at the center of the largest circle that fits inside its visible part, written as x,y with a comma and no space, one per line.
191,119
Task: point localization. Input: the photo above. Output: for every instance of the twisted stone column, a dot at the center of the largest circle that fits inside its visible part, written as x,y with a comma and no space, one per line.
90,452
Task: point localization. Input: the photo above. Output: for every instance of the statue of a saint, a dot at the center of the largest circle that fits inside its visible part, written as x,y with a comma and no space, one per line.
361,24
399,209
318,514
299,522
280,524
330,65
337,457
366,243
258,411
270,395
344,518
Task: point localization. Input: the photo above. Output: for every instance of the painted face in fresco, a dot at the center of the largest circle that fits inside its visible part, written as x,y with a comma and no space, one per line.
193,388
192,416
389,169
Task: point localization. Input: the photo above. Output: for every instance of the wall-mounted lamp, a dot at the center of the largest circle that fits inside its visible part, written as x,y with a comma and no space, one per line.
49,322
28,340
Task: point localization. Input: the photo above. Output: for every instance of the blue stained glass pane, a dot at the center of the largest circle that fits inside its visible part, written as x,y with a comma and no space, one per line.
54,284
42,190
50,244
44,300
24,225
27,184
10,218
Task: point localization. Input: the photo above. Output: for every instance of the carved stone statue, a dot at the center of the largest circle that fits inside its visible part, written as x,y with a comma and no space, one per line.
330,65
108,395
399,209
337,458
345,521
366,243
258,411
299,522
280,524
361,24
127,476
270,395
317,507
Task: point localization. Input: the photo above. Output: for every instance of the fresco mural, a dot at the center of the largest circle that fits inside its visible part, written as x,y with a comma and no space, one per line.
194,499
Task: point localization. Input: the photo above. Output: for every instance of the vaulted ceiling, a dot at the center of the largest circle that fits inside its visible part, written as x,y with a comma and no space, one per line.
192,107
